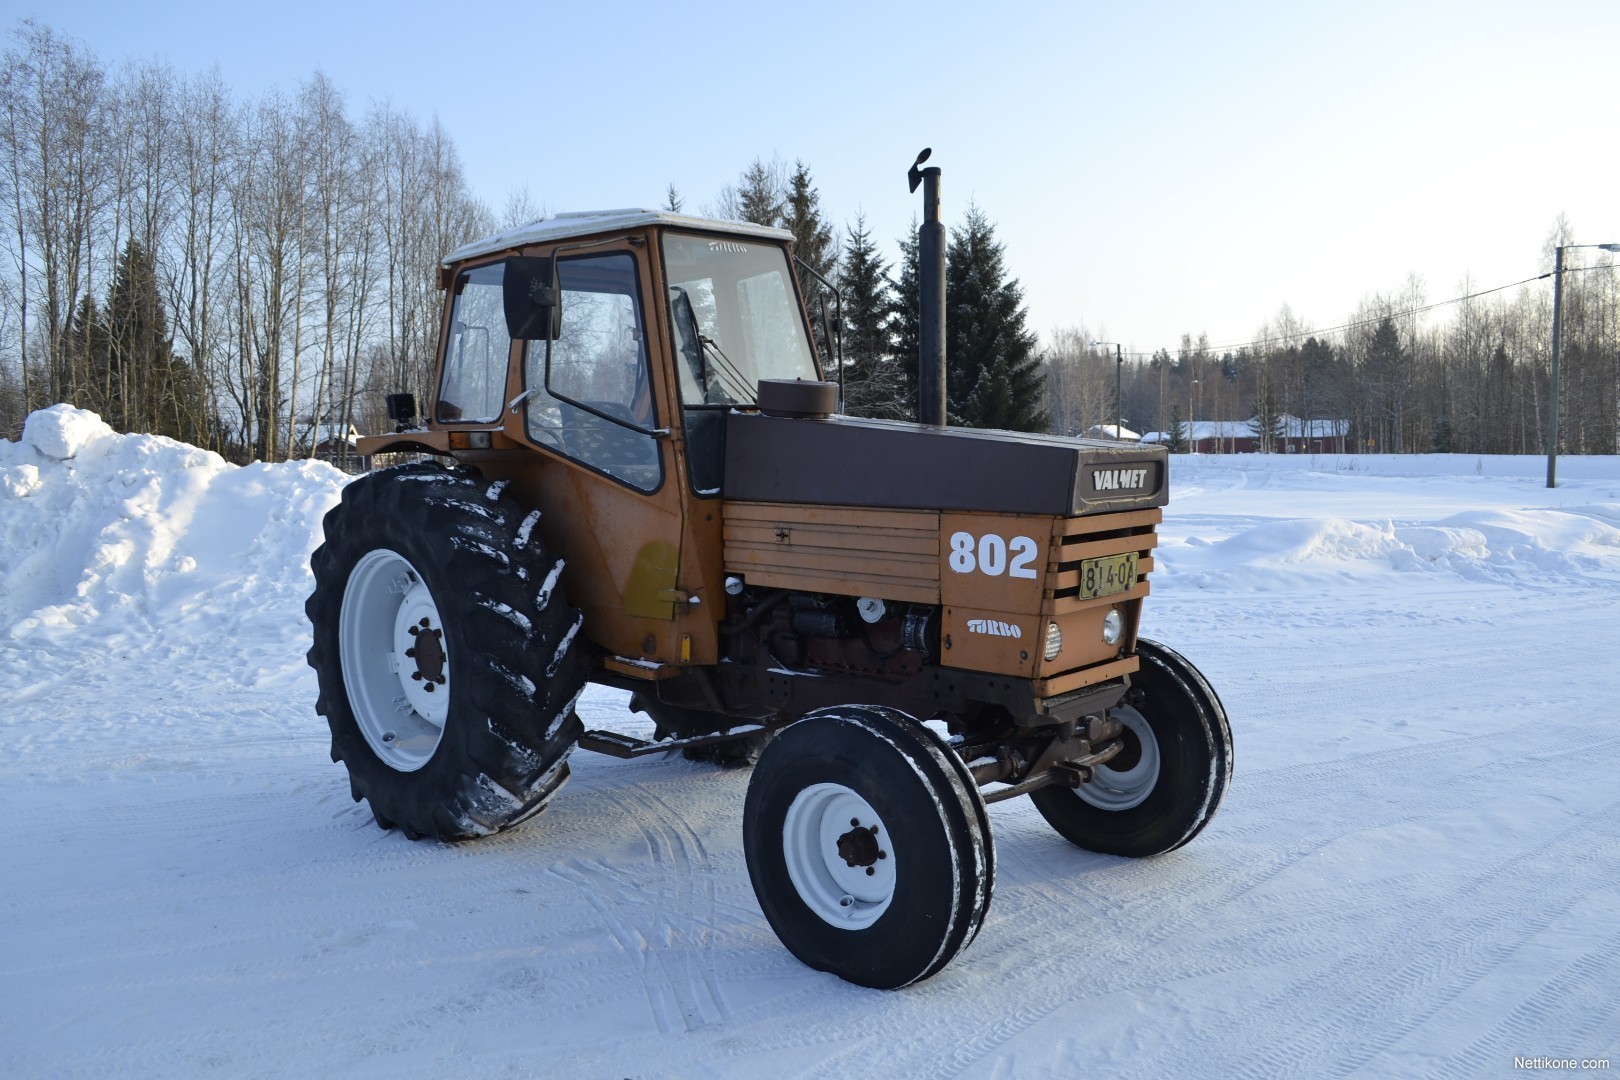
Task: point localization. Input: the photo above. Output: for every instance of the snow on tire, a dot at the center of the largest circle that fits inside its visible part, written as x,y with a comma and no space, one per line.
868,846
1168,781
443,649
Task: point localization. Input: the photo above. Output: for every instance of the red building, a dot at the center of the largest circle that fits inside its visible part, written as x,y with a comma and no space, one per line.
1239,437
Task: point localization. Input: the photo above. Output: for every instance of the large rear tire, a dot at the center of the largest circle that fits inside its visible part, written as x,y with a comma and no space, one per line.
868,846
444,651
1167,783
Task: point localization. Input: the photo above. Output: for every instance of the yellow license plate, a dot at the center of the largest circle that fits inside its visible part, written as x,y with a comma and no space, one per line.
1107,575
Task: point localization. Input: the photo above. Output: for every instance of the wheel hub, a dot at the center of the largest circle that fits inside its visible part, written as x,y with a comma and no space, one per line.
396,670
859,846
428,652
839,856
1129,777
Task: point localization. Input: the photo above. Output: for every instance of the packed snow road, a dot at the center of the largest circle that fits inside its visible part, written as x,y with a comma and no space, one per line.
1416,871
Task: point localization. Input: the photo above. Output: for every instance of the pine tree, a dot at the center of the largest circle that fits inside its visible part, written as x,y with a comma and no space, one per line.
993,373
1178,431
759,197
142,385
672,200
812,237
872,386
1267,423
907,323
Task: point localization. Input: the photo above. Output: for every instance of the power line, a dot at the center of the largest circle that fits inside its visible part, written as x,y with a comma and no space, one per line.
1217,350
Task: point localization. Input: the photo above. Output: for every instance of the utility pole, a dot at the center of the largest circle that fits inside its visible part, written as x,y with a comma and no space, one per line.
1119,367
1552,389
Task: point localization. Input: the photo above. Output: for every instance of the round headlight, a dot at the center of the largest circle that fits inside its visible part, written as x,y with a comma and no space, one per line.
1054,641
1113,627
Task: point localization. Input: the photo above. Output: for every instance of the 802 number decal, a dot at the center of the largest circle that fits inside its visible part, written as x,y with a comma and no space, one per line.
989,554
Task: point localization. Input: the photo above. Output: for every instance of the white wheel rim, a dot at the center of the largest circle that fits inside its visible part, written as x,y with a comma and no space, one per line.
851,890
387,680
1123,789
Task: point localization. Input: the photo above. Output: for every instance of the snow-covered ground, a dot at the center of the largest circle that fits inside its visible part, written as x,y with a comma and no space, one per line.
1416,872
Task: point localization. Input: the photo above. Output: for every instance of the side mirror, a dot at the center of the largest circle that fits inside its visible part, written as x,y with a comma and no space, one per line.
532,298
401,410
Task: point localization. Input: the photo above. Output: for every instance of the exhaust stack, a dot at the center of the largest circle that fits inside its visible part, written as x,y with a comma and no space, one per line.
931,295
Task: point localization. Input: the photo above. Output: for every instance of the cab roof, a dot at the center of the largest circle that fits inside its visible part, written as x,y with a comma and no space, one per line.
555,227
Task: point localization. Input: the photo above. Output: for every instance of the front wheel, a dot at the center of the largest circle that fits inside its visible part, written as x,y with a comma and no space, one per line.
868,846
1170,775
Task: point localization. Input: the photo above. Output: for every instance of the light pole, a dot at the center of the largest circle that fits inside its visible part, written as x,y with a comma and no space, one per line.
1552,391
1192,442
1119,366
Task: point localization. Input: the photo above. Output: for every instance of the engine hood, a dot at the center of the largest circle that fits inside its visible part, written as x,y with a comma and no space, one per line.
849,461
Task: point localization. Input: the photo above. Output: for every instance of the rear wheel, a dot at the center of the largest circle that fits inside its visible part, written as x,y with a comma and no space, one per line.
868,846
443,648
1170,776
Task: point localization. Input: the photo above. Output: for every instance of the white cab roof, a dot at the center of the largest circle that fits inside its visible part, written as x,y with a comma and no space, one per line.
591,222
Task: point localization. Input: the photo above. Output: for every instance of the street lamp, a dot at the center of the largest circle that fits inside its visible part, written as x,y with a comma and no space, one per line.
1119,365
1552,391
1192,408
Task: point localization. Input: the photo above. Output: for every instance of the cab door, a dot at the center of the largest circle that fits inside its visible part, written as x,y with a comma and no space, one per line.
594,409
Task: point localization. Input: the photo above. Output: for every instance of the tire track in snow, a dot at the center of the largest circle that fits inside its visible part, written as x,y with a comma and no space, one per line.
1582,990
1390,987
666,926
1137,942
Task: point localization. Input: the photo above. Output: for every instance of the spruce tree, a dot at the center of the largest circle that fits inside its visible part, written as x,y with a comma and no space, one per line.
812,237
872,386
759,196
143,385
1267,423
1178,431
672,200
907,324
993,373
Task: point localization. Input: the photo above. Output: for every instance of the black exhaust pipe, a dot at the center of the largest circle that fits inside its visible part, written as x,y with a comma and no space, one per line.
931,294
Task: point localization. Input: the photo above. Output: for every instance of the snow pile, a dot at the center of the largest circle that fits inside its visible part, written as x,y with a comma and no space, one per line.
108,540
1292,521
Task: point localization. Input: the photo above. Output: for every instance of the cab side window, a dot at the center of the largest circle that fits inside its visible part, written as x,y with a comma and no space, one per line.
600,359
476,352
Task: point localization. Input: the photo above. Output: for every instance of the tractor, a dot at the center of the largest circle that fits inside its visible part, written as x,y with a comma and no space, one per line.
633,472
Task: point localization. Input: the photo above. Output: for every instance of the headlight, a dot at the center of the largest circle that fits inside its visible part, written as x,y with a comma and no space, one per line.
1113,627
1054,641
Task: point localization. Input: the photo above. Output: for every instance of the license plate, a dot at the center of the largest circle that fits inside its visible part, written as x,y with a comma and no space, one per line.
1107,575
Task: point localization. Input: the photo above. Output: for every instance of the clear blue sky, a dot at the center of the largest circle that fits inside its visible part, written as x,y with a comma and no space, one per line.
1153,168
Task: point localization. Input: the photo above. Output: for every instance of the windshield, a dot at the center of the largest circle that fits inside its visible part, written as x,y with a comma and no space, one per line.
735,311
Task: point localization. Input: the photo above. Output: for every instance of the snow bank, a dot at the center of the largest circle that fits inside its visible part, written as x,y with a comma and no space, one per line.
1295,520
109,538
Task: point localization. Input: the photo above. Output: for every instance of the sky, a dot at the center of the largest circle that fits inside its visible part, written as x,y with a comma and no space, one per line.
1153,169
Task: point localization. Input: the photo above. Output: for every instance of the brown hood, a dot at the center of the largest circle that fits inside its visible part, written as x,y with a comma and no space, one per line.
847,461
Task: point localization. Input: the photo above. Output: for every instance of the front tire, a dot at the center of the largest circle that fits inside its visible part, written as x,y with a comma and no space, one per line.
443,648
1168,781
868,846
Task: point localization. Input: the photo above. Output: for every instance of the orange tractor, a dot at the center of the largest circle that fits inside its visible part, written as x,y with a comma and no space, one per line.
646,484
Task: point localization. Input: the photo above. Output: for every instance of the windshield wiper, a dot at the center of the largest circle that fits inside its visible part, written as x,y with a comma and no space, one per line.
741,389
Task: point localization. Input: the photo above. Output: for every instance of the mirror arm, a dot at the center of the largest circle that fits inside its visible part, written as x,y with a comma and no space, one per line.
838,333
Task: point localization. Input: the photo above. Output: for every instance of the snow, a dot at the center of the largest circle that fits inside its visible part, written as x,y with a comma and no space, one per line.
1416,871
